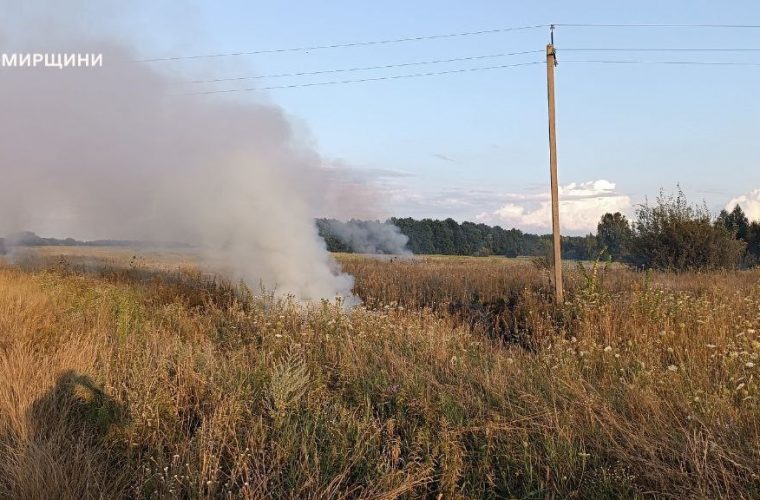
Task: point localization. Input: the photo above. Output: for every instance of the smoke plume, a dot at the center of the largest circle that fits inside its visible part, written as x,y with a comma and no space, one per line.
370,236
119,152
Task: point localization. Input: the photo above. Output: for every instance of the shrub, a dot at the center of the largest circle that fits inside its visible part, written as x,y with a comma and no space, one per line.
674,235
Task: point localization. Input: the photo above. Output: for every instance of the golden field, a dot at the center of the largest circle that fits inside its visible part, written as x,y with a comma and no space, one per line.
137,375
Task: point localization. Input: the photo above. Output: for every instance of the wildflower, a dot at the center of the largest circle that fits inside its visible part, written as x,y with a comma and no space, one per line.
608,348
617,355
670,349
584,455
672,368
749,364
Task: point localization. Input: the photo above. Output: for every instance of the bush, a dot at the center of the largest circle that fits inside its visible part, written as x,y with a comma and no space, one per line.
674,235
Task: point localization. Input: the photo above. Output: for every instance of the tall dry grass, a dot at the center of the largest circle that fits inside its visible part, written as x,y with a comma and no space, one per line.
133,383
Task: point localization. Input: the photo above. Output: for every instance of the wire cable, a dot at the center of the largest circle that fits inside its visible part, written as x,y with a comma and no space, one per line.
642,25
349,44
362,80
661,49
368,68
696,63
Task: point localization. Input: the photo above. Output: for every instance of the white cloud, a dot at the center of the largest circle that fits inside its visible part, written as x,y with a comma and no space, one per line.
750,203
581,205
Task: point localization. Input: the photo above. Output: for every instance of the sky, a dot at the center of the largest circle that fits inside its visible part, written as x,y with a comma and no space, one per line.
474,145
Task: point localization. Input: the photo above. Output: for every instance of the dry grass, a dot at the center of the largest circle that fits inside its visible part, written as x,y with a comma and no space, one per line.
137,383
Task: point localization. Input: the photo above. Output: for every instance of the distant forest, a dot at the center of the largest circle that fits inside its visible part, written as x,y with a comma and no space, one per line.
30,239
671,234
448,237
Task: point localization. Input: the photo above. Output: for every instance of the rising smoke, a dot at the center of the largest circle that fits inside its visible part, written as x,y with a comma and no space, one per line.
118,152
371,237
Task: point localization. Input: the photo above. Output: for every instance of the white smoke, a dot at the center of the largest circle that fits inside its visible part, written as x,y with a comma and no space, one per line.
370,236
115,152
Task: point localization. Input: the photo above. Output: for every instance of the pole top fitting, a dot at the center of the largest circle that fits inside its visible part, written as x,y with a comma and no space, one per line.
551,44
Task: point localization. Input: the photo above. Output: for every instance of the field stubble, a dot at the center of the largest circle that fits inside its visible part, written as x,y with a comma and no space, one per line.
457,377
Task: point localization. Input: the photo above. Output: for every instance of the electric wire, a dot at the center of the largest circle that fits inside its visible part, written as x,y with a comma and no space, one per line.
348,44
367,68
654,25
660,49
468,58
375,79
629,61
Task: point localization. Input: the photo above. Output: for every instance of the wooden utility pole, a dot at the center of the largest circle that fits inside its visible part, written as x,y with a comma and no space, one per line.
551,62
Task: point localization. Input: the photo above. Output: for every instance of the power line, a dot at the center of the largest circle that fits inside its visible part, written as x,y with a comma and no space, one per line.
375,79
349,44
642,25
368,68
697,63
661,49
444,36
467,70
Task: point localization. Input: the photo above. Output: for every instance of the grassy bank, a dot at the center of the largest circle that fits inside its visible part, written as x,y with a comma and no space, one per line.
458,376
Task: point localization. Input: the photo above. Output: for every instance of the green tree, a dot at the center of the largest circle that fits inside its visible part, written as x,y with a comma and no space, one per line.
735,221
614,233
753,244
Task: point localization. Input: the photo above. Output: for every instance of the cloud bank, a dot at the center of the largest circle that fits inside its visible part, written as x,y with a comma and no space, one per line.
749,202
581,206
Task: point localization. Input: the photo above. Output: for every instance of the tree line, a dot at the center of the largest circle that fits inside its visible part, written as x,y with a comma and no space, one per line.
449,237
670,234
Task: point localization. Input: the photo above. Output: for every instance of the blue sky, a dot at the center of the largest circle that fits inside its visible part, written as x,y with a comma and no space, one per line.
473,146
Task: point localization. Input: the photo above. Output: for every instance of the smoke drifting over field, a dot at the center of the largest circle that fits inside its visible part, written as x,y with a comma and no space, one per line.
116,152
370,236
